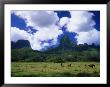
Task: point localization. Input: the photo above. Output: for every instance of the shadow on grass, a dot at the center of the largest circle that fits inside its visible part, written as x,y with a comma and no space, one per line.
83,74
64,74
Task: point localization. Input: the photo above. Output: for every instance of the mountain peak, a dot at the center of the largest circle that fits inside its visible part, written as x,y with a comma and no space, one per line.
65,42
20,44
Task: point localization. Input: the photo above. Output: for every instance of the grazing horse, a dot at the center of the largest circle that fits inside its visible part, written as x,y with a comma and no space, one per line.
61,64
91,65
85,65
69,65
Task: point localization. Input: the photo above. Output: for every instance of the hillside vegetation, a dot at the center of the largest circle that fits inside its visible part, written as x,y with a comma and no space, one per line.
67,51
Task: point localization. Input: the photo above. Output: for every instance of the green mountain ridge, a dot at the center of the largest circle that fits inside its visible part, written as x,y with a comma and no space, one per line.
66,51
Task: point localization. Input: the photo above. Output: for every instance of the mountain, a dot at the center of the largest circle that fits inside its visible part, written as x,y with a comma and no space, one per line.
66,51
20,44
65,43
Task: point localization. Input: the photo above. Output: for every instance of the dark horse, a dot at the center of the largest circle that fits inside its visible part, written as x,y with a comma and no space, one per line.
61,64
69,65
91,65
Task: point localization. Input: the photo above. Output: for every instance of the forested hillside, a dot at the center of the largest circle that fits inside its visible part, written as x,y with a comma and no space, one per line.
66,51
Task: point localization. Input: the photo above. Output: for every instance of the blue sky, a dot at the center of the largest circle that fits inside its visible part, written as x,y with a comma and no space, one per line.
43,28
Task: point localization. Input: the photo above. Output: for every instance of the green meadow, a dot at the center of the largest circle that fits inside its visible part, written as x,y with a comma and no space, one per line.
49,69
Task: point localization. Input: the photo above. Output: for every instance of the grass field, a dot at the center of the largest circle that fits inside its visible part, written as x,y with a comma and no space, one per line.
42,69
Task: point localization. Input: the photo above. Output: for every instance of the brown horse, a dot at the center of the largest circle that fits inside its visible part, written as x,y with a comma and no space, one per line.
62,65
91,65
69,65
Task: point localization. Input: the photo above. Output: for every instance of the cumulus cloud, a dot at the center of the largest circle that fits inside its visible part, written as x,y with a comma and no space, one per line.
17,34
63,21
48,26
48,33
82,23
44,36
38,40
92,36
45,24
38,19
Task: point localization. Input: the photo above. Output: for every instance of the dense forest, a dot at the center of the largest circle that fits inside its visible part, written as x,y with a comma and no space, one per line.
67,51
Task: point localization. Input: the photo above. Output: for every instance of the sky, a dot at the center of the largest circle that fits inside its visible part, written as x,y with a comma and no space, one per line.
44,29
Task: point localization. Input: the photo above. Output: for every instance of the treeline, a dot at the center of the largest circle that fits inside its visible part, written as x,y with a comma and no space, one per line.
27,54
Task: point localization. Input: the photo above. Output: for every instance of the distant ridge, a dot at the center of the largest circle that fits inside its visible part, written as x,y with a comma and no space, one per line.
65,44
20,44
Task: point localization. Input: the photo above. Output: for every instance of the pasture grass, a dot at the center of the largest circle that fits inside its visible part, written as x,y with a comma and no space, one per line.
48,69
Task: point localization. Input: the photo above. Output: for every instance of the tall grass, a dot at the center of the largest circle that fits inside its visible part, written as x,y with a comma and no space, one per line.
42,69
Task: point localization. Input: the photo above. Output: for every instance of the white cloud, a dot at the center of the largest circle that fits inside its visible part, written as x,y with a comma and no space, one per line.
92,36
48,33
82,23
36,39
45,35
63,21
45,24
38,19
17,34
